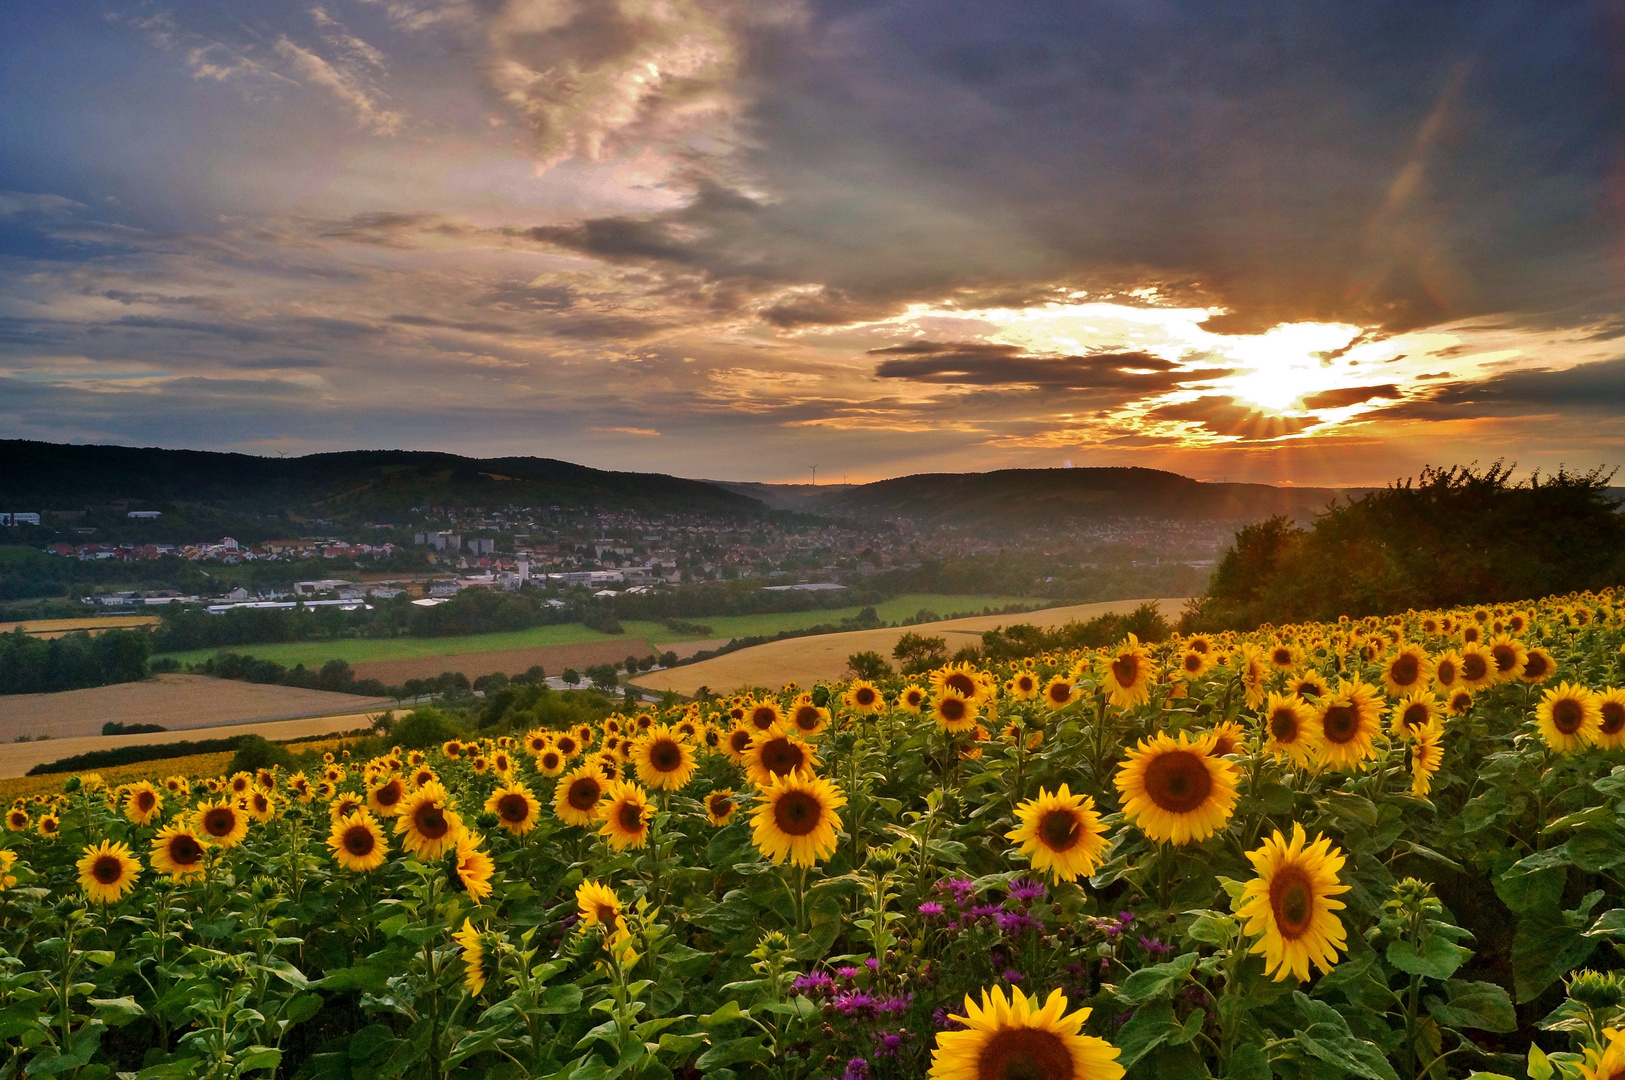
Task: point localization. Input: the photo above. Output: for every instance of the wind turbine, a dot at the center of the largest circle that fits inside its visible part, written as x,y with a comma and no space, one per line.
814,469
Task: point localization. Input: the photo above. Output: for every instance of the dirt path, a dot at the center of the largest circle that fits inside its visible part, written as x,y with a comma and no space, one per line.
17,758
823,657
177,702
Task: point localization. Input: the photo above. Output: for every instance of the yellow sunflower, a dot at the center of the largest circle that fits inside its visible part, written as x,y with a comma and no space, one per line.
515,808
1309,686
474,959
912,699
862,696
954,714
720,806
17,819
808,718
1477,667
177,853
736,743
1510,657
577,797
1128,674
627,815
1447,670
1060,692
597,905
1407,671
358,843
776,753
1015,1039
1061,833
761,715
1607,1063
1226,738
961,679
1174,790
1253,667
1611,719
1283,656
1569,717
1289,724
474,867
1348,719
344,804
223,823
260,806
1289,905
1413,712
107,872
49,825
662,760
1023,686
427,825
1538,666
796,819
8,859
566,743
1427,752
1193,664
385,799
142,803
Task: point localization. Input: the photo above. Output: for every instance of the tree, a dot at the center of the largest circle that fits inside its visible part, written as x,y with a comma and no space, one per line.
919,652
603,676
571,676
868,665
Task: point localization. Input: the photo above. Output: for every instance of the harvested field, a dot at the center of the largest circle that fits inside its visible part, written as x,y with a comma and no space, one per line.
17,758
809,659
178,702
55,628
553,658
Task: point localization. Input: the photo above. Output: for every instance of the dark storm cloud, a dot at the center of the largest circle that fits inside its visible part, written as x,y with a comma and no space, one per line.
1588,388
984,364
1226,416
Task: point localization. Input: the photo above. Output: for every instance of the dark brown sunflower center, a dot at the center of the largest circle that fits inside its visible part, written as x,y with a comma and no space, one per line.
1292,901
550,760
1284,725
1470,634
865,696
1025,1054
1613,717
763,718
1341,723
721,806
961,683
1536,667
1567,716
1281,657
184,850
781,756
1445,672
219,822
797,813
430,820
106,869
1415,715
1126,669
1307,690
951,709
359,841
1506,658
145,800
566,745
665,755
1193,662
1060,691
513,808
1178,781
1060,830
1405,669
584,794
605,914
1222,745
807,717
739,740
630,815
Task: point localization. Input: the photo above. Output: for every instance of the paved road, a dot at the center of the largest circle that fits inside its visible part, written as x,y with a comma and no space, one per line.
823,657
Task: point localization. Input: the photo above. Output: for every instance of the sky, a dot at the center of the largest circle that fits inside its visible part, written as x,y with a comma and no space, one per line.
1311,243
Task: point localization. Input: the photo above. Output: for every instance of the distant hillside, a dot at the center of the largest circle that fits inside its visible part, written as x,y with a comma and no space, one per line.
803,498
353,485
1021,497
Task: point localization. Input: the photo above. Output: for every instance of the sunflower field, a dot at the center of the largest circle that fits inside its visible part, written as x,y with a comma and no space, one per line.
1390,848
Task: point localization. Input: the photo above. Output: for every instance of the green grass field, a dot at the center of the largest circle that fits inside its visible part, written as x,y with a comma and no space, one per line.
361,650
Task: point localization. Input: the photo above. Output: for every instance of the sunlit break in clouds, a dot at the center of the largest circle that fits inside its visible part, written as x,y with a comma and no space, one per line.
1314,243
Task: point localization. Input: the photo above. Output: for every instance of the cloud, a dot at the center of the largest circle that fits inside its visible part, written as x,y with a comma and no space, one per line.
1352,395
1225,416
638,431
46,205
594,78
988,364
345,82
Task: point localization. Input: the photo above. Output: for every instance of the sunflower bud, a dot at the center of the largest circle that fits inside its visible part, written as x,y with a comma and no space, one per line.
1596,989
487,820
880,861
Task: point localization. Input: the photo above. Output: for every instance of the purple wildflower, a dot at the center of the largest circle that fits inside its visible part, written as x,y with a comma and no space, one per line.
1125,917
1027,889
986,911
855,1003
1011,976
872,963
848,972
888,1044
814,983
930,909
856,1069
1155,945
1014,922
